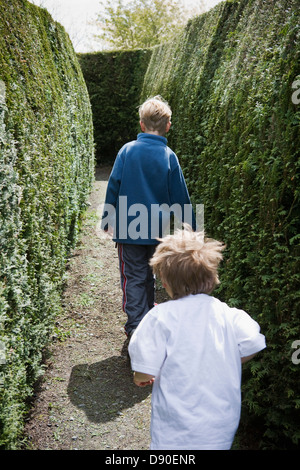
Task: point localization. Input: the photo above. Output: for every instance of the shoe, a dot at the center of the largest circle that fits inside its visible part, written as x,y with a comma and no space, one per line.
129,335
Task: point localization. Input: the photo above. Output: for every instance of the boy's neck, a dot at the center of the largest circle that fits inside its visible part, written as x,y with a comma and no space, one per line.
153,133
146,131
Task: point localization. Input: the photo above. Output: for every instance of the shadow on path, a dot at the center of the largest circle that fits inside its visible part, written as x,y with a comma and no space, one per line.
103,389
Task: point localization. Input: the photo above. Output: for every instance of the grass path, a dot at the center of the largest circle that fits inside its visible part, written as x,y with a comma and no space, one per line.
86,398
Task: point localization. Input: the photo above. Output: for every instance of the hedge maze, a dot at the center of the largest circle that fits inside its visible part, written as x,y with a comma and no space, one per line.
231,79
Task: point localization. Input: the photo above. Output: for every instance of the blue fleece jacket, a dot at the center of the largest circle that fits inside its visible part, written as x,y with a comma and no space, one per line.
146,180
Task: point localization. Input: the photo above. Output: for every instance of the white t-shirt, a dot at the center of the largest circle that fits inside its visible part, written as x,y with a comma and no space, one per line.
193,346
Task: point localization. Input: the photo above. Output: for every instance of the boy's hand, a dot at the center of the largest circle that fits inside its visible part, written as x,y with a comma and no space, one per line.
247,358
142,380
109,231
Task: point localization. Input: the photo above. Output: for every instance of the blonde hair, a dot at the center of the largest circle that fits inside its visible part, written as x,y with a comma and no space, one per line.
155,113
188,262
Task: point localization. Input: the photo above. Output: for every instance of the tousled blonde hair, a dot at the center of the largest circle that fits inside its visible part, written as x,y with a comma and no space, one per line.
155,113
188,262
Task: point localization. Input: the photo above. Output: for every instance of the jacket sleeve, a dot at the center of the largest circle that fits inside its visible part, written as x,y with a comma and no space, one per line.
179,193
112,193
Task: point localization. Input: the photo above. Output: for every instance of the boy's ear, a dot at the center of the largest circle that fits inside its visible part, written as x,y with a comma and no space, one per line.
168,126
143,127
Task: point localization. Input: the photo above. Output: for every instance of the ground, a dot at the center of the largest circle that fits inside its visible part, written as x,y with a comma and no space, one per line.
86,399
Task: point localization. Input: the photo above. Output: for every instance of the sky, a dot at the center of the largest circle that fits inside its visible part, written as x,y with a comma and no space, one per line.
77,17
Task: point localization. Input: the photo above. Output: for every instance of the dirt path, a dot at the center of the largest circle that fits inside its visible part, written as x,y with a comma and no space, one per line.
86,399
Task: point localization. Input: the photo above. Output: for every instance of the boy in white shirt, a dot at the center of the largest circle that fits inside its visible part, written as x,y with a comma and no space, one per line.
191,349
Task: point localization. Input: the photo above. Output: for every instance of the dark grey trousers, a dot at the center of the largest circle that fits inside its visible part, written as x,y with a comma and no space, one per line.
137,282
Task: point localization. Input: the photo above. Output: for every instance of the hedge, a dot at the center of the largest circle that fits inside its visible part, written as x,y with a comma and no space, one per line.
46,172
229,79
114,81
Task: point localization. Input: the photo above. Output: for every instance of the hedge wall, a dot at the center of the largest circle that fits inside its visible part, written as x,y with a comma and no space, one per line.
114,81
46,172
229,79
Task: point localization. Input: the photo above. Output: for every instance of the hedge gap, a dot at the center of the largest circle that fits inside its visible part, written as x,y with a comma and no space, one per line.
114,81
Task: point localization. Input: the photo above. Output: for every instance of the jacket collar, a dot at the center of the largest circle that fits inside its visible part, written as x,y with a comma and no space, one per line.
153,137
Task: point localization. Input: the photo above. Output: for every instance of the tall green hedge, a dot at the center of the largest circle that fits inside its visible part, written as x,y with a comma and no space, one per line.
46,172
114,81
229,79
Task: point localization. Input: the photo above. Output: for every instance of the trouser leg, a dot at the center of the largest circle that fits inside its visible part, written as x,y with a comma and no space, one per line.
137,282
150,282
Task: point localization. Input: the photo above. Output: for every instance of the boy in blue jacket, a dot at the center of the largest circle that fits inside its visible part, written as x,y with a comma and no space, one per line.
145,187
